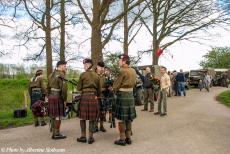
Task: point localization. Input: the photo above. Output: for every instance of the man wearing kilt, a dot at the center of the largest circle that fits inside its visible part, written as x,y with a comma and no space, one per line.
102,100
89,85
125,107
57,91
37,92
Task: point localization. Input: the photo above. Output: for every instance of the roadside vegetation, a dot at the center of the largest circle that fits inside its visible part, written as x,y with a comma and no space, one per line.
224,98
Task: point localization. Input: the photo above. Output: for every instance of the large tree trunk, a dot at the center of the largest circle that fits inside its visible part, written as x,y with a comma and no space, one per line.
126,29
62,38
48,39
155,42
96,40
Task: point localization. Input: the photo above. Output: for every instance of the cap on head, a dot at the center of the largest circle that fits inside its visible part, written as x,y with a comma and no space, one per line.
39,72
101,64
61,62
87,60
124,57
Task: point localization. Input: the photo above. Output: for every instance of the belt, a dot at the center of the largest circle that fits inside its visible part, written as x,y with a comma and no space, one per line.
54,89
89,90
36,89
55,93
126,89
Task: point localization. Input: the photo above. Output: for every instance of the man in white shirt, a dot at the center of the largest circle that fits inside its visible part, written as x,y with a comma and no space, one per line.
165,84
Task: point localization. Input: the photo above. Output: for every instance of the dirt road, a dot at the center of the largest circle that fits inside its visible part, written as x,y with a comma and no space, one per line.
196,123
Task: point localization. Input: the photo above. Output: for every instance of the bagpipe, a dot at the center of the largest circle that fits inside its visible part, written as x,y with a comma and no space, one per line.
72,106
111,100
40,108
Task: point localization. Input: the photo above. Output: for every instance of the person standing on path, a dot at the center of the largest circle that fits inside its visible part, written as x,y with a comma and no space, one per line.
207,81
125,106
180,78
164,84
174,83
57,98
102,106
89,85
37,92
148,90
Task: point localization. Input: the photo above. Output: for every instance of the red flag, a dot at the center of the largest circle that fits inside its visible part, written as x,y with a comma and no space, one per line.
159,52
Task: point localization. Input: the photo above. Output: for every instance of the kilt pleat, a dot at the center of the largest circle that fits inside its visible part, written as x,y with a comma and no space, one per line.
125,106
55,107
89,108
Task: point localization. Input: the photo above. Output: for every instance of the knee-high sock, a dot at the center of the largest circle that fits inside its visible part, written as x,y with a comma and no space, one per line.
128,130
121,127
57,127
91,128
83,128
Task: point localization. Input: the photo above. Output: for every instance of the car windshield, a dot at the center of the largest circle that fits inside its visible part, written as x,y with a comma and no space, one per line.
195,73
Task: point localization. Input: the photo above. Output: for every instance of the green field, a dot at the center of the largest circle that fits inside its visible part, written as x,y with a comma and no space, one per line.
224,97
11,98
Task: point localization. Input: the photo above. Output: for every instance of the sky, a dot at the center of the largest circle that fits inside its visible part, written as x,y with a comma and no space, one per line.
182,55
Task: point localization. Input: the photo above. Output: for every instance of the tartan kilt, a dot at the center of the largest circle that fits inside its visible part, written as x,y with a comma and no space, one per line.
55,107
125,106
89,107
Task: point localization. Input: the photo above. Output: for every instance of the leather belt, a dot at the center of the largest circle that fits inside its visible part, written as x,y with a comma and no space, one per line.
54,89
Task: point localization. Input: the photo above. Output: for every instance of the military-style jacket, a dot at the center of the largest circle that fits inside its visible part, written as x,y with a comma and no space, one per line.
103,80
126,79
56,83
37,82
89,80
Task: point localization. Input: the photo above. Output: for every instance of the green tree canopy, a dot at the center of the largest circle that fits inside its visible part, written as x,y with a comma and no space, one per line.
217,57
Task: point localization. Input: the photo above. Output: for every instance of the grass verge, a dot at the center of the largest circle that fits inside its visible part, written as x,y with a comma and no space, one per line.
224,98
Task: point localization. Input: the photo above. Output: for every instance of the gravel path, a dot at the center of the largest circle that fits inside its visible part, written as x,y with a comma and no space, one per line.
196,123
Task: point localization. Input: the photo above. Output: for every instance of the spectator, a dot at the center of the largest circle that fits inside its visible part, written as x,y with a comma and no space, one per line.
180,78
165,84
207,81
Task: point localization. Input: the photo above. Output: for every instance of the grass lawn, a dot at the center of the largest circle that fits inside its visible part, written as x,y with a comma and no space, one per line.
224,97
11,98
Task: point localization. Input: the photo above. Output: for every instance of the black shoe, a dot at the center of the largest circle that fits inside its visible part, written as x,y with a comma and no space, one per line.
120,142
157,113
151,110
128,141
58,136
102,129
96,129
43,123
36,124
82,139
91,140
163,114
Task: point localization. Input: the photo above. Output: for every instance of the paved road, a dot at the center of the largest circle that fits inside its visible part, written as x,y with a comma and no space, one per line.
196,123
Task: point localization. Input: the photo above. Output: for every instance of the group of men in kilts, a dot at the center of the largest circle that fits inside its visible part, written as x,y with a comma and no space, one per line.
92,85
